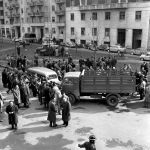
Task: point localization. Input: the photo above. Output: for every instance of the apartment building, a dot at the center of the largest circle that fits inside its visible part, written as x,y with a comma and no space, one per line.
1,17
60,19
124,22
32,16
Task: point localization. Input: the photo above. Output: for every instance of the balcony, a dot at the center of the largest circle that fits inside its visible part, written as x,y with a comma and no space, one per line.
1,17
60,12
10,16
16,15
36,14
16,5
10,7
104,6
60,1
16,23
36,3
60,23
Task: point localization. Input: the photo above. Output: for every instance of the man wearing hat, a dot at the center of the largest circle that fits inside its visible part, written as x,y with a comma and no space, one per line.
90,145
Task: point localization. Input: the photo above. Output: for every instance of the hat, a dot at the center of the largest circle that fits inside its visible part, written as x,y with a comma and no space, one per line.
92,138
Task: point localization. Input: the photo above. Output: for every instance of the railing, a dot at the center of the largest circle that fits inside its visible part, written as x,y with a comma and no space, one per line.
60,12
104,6
60,1
36,14
36,3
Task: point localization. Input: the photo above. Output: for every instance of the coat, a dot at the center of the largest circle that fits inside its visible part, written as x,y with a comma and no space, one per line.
16,93
66,108
12,118
51,112
147,94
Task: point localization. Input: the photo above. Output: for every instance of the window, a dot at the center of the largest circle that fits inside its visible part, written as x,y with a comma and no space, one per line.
94,16
94,31
82,16
53,30
46,30
122,15
1,12
138,15
33,29
53,8
71,2
23,30
107,32
53,19
46,19
61,31
82,31
28,29
72,31
22,20
72,16
107,15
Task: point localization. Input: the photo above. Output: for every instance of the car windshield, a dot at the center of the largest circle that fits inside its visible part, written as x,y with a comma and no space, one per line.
53,76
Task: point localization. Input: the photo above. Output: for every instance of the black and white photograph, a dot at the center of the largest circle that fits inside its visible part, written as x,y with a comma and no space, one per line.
74,74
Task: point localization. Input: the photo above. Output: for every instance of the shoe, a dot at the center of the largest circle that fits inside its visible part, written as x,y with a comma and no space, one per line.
55,125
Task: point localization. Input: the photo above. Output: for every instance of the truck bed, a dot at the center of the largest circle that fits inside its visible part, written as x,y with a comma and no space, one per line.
107,82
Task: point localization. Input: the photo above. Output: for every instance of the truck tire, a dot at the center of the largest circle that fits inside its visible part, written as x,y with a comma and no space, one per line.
72,99
112,100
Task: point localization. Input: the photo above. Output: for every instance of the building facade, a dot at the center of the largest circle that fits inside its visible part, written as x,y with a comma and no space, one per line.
42,17
124,22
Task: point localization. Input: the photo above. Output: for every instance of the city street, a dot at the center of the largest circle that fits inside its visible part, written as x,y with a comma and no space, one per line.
115,129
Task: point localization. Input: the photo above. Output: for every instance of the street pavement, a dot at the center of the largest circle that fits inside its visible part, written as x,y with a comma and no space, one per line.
125,128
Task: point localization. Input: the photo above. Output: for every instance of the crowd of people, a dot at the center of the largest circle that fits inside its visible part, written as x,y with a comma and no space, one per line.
24,86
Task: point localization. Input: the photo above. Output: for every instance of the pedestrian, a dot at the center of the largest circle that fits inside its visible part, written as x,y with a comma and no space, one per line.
90,145
4,78
16,94
58,97
52,113
147,96
1,107
66,108
12,111
142,88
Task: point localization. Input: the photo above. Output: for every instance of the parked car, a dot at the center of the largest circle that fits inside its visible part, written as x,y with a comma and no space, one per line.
103,47
138,51
145,56
117,49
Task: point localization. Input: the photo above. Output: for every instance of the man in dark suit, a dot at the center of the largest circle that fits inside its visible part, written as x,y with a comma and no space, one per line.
12,111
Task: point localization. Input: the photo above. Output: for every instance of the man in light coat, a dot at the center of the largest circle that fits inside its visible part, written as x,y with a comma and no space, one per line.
1,107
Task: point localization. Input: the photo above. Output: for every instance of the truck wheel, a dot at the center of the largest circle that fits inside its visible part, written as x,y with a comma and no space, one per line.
112,101
72,99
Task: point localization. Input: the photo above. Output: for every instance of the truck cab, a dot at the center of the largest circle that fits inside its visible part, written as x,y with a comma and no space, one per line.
71,85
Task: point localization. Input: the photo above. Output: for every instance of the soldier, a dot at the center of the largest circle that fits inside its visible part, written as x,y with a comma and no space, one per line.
90,145
12,111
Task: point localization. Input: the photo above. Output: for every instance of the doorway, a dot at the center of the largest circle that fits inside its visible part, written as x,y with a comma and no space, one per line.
137,38
121,37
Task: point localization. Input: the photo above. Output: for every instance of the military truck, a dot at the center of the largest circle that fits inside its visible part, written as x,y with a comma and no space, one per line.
111,85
